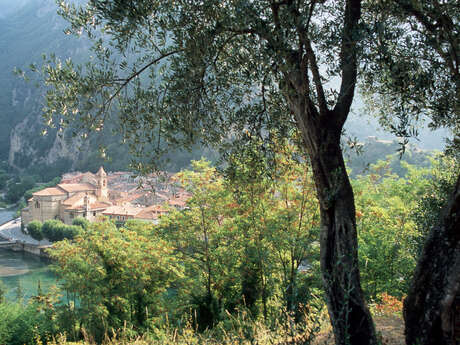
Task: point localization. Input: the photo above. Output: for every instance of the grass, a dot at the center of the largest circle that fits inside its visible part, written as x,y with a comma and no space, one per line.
390,329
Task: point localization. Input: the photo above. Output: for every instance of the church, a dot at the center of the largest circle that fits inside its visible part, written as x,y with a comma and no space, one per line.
87,199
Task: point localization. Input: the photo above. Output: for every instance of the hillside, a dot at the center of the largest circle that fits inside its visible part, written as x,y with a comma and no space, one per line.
27,30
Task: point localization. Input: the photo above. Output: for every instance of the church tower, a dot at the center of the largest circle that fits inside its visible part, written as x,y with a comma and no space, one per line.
101,191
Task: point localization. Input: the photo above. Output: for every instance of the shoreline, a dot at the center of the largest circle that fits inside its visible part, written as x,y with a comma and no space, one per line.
14,239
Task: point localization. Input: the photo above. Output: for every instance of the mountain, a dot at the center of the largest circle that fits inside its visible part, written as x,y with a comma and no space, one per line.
29,28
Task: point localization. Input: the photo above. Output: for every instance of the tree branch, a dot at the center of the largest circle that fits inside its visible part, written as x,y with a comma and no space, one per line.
348,61
137,73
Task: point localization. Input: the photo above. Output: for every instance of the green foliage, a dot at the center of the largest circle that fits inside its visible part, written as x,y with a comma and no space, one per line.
443,176
34,229
2,292
410,65
16,189
387,232
55,230
249,242
118,276
23,324
374,150
55,181
81,222
4,177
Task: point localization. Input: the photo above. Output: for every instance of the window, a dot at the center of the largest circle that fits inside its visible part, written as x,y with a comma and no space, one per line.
94,214
37,204
71,215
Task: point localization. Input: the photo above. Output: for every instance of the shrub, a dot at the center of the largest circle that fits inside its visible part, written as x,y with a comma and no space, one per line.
34,228
81,222
51,230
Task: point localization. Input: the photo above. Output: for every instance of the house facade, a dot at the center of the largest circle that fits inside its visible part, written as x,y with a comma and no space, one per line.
92,196
66,201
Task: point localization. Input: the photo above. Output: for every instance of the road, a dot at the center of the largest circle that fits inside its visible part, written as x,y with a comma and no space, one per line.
11,231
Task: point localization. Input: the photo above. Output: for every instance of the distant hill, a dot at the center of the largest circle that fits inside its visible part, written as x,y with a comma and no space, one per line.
373,149
29,28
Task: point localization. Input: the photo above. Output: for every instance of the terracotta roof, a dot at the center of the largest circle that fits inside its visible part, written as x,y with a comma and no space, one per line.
151,212
50,191
146,214
74,199
76,187
99,205
177,202
101,172
125,210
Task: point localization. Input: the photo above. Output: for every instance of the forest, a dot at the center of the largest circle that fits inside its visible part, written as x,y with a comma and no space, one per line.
277,242
239,265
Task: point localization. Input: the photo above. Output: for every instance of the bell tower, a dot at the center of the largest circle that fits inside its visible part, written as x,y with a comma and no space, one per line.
101,176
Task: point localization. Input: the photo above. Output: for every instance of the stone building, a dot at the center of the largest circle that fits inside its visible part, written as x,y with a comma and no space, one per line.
66,201
88,195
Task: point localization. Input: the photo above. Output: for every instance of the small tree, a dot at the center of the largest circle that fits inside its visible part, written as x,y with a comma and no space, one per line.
34,228
52,229
2,292
81,222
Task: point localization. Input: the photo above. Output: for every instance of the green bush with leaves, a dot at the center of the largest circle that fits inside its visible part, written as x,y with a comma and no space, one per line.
34,229
81,222
55,230
24,324
388,236
115,278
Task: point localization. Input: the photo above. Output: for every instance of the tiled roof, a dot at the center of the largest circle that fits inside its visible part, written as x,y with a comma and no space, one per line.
177,202
76,187
151,212
99,205
50,191
125,210
74,199
146,214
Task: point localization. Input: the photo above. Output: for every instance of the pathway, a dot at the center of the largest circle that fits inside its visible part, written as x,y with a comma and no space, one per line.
11,231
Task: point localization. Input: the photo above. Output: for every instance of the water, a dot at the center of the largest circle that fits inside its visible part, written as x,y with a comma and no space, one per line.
21,272
24,271
6,215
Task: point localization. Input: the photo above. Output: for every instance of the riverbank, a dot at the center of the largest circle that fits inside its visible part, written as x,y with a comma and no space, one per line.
11,237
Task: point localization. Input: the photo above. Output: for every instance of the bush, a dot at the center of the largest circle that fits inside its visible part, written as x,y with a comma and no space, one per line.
81,222
16,189
34,228
51,229
21,324
71,231
55,230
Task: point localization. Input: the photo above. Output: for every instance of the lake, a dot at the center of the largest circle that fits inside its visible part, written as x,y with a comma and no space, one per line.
22,272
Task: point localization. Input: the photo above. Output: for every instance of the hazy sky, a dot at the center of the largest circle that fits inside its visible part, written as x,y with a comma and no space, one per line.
8,6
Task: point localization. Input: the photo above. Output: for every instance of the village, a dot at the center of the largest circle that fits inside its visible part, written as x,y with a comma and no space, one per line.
117,195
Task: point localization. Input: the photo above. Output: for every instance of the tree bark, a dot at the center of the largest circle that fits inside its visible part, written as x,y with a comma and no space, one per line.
321,129
350,317
349,314
428,308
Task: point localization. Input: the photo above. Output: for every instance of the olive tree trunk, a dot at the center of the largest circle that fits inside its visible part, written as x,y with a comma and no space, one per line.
350,317
428,308
321,129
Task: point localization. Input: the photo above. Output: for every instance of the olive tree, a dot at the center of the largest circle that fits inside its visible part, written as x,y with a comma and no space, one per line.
411,71
222,72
